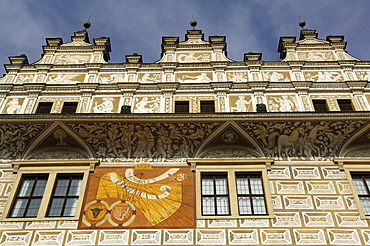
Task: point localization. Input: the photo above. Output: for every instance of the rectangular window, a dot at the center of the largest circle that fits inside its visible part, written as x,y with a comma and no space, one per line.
207,106
181,106
65,196
28,199
69,107
215,194
320,105
362,185
345,104
44,108
47,195
251,196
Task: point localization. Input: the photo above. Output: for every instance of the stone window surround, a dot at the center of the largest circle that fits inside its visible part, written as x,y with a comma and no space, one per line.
232,166
52,168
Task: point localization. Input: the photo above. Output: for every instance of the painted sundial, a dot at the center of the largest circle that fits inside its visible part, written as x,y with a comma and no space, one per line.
142,196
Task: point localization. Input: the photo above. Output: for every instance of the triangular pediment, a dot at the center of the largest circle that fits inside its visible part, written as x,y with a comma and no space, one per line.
229,141
58,142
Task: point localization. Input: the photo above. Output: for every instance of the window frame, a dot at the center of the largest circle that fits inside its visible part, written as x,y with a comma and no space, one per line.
232,167
178,103
203,105
66,104
321,100
42,104
52,169
350,103
354,166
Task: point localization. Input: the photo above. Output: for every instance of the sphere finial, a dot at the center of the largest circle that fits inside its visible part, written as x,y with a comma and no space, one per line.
302,23
193,23
87,24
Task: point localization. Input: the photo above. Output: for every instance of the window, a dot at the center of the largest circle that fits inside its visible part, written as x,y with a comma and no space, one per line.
47,191
248,188
44,108
64,200
69,107
345,104
181,106
229,190
215,194
251,197
207,106
320,105
29,196
362,185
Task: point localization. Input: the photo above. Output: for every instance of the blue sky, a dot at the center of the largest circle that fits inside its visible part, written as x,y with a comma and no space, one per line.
138,25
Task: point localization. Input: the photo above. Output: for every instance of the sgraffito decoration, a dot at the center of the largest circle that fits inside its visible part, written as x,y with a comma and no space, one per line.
155,142
141,196
302,139
15,138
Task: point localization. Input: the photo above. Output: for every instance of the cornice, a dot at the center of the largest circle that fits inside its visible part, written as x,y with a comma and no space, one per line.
253,116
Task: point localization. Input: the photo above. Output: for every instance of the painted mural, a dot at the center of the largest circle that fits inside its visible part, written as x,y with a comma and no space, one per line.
142,196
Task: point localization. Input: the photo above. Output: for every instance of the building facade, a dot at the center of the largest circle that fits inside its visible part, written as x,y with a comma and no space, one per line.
194,149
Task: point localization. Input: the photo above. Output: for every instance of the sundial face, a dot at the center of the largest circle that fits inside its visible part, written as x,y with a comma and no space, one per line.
142,196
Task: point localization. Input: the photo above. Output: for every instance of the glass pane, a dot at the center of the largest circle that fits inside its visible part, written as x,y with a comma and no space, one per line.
19,208
26,187
71,206
221,186
222,205
56,207
75,188
256,185
244,205
360,186
61,186
259,205
207,186
33,207
208,206
242,185
365,202
40,187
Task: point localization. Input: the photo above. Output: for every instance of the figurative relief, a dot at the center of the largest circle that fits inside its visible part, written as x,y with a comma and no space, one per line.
65,78
141,196
302,140
276,76
104,105
153,142
237,77
71,59
194,57
147,105
362,75
324,76
150,77
13,106
25,78
111,78
194,77
316,56
282,103
242,104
